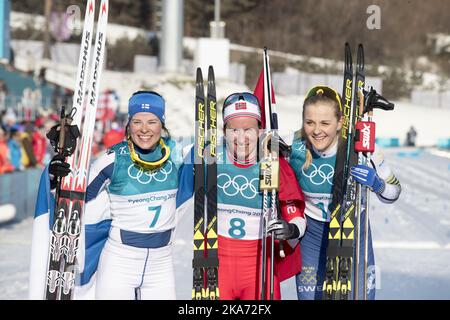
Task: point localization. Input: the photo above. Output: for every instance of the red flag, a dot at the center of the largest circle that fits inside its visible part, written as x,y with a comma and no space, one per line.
259,93
292,203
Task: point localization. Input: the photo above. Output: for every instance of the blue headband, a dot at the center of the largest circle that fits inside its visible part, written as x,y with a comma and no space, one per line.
146,101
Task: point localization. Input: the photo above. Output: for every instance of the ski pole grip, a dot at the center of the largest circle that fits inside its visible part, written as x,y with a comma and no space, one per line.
62,130
385,106
376,101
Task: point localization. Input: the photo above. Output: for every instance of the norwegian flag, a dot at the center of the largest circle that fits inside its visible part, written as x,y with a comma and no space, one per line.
259,93
241,105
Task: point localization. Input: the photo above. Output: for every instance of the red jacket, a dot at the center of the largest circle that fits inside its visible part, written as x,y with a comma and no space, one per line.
113,137
39,146
5,165
292,205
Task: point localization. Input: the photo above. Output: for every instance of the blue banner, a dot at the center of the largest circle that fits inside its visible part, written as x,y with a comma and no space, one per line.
5,8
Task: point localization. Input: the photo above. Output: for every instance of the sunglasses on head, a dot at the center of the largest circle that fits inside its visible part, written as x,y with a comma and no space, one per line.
325,91
241,96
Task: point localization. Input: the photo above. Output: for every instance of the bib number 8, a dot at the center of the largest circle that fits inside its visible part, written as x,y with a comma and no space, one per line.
237,228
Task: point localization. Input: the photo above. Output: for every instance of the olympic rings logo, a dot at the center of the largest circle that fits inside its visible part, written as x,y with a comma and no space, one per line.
239,184
319,176
145,177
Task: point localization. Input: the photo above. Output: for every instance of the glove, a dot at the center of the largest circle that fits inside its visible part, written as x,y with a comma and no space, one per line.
368,176
57,168
283,230
279,144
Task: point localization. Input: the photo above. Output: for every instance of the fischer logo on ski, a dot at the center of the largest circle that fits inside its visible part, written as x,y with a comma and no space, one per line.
205,263
347,108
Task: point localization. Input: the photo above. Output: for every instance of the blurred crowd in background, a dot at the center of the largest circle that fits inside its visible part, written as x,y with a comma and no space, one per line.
23,141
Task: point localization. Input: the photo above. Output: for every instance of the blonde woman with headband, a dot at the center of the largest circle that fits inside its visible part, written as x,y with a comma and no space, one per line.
313,158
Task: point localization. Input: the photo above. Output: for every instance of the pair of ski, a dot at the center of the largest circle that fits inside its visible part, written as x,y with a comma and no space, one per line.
357,138
205,260
71,190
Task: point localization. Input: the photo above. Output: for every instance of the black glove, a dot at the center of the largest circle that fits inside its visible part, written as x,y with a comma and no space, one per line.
72,133
57,168
279,144
283,230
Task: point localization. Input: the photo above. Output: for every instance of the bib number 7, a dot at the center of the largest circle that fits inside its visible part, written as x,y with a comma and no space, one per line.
156,211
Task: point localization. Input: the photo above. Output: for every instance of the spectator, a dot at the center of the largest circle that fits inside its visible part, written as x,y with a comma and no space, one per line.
15,148
39,141
3,87
5,164
411,136
30,62
28,157
9,119
49,152
113,136
2,115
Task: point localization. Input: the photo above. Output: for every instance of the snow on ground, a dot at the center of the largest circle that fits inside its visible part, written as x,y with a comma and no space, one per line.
411,237
15,246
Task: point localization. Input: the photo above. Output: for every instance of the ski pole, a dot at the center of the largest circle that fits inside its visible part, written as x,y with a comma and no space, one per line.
358,205
60,146
366,221
272,119
263,186
269,183
263,244
366,144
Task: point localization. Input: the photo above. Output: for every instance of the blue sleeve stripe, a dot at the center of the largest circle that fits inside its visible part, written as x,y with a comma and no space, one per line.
98,182
42,205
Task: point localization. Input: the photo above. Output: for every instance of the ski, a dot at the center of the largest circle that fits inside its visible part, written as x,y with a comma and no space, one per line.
198,288
205,262
339,263
58,221
70,194
212,269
